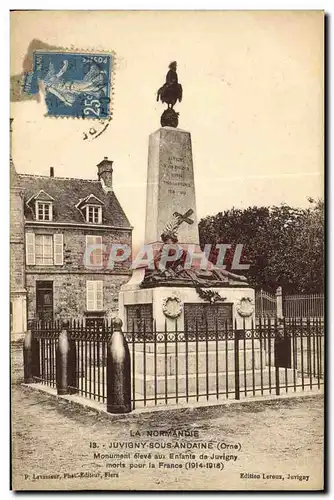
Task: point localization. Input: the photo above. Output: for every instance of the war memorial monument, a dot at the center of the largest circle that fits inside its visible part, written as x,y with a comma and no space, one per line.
188,289
186,299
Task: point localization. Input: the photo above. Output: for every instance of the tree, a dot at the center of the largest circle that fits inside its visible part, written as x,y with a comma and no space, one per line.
282,244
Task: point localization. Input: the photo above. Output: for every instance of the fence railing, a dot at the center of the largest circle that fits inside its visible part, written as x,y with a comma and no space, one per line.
304,306
203,364
169,367
265,304
91,346
290,306
44,343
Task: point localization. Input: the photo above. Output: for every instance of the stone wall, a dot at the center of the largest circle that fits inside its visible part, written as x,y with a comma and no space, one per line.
69,280
74,240
69,293
18,305
16,241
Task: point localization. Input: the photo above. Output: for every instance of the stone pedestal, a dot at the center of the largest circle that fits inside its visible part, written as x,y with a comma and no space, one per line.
178,366
158,297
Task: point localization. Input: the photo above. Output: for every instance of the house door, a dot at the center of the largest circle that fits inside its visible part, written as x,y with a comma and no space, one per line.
44,300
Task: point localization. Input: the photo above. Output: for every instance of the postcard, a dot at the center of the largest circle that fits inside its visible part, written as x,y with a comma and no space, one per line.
167,250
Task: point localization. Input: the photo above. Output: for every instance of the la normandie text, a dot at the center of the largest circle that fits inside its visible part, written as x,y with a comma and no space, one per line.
170,433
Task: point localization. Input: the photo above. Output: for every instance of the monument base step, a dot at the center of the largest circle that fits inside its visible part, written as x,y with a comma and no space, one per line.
209,382
191,346
201,362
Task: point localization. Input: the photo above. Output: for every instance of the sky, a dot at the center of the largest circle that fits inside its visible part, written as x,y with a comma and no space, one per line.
252,101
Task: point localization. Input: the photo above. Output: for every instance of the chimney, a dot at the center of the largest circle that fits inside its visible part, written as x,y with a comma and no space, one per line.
52,172
104,173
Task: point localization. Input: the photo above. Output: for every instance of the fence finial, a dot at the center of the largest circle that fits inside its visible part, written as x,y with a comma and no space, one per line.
117,324
65,324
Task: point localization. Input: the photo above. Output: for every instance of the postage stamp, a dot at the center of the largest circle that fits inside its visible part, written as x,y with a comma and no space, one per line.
75,84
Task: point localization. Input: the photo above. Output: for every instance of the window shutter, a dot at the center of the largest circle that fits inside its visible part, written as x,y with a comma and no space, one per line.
58,249
30,249
100,215
99,295
90,295
50,211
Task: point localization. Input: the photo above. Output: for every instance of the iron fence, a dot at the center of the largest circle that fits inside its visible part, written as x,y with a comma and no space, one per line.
197,364
291,306
265,304
304,306
44,346
206,364
90,343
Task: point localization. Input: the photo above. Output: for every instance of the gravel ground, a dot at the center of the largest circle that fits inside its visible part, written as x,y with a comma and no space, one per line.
53,437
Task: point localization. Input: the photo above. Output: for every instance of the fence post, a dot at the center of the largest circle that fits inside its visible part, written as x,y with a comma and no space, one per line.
279,303
65,362
36,367
277,339
27,358
118,371
31,358
236,362
73,371
261,303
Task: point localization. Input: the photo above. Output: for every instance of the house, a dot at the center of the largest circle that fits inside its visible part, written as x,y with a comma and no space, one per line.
55,222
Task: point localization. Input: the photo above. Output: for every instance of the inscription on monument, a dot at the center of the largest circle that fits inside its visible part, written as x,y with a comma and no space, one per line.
171,185
205,317
139,318
176,170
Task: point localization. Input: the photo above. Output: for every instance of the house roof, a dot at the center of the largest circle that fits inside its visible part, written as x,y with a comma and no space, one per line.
67,193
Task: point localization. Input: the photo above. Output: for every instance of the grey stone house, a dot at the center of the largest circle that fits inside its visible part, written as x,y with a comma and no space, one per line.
54,223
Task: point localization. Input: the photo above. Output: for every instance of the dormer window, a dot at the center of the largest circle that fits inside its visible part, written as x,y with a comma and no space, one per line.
41,204
91,209
94,214
43,210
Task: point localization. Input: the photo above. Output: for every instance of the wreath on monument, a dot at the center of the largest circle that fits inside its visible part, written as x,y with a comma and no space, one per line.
245,306
172,306
209,295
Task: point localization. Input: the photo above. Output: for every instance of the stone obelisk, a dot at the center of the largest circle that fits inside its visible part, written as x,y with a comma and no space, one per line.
170,186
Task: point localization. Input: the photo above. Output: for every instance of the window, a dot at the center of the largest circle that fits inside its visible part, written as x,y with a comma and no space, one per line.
43,210
94,250
94,295
94,214
44,249
91,209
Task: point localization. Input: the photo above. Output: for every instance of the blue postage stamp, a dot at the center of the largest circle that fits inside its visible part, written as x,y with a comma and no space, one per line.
76,84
